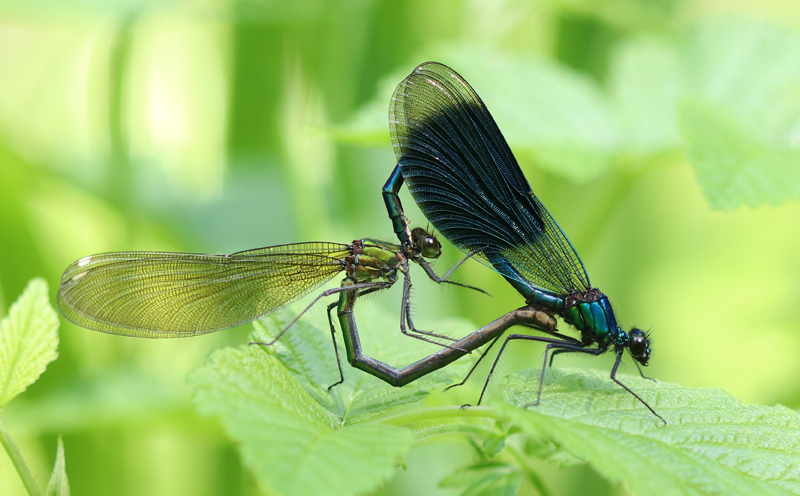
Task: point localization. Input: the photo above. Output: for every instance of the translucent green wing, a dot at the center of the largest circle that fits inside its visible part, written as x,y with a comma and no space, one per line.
163,295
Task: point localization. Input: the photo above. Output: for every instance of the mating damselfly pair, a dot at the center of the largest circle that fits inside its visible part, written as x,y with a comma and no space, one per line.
465,179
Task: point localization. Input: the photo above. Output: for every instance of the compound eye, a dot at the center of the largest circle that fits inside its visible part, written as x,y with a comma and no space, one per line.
431,247
637,343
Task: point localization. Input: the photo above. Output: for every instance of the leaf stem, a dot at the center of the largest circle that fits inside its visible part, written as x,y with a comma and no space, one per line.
444,429
18,462
423,414
530,473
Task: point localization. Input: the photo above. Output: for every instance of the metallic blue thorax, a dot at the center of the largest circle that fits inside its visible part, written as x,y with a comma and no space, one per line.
595,319
590,313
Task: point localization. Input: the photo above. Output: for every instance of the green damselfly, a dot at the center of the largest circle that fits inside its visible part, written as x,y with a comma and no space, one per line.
168,295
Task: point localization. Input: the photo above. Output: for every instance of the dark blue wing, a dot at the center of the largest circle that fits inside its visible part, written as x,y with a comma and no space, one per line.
462,174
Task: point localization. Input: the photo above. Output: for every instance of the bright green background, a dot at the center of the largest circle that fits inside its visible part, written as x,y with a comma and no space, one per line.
217,127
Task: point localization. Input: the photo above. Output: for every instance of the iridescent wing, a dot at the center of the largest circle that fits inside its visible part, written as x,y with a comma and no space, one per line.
462,174
164,295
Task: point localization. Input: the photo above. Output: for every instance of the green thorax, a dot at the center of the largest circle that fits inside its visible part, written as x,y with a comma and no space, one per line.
373,259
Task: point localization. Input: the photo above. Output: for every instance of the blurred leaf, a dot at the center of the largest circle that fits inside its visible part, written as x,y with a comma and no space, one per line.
369,126
559,118
493,444
28,340
490,478
738,84
19,182
117,397
645,80
712,444
91,6
59,484
307,351
293,444
734,167
626,15
741,113
553,115
550,452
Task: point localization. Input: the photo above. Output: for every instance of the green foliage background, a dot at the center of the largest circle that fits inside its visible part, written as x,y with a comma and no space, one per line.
663,136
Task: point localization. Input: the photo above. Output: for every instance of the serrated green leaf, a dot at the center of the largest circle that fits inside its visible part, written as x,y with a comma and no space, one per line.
289,441
712,444
741,113
28,340
307,351
59,484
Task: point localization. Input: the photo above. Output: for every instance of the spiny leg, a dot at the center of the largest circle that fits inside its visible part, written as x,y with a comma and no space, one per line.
335,347
412,328
353,287
567,347
433,276
592,351
333,332
457,265
555,333
362,289
525,337
471,370
443,280
626,388
562,350
405,317
531,326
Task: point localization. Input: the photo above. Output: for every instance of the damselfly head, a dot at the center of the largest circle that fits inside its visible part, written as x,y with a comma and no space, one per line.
426,243
639,346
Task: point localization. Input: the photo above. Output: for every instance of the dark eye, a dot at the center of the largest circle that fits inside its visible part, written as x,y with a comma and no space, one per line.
431,247
637,343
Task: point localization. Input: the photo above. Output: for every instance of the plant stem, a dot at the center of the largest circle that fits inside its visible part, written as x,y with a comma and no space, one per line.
530,473
424,414
19,463
442,430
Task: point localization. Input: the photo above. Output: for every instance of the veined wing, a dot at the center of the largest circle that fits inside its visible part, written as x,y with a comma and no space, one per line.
162,295
462,174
